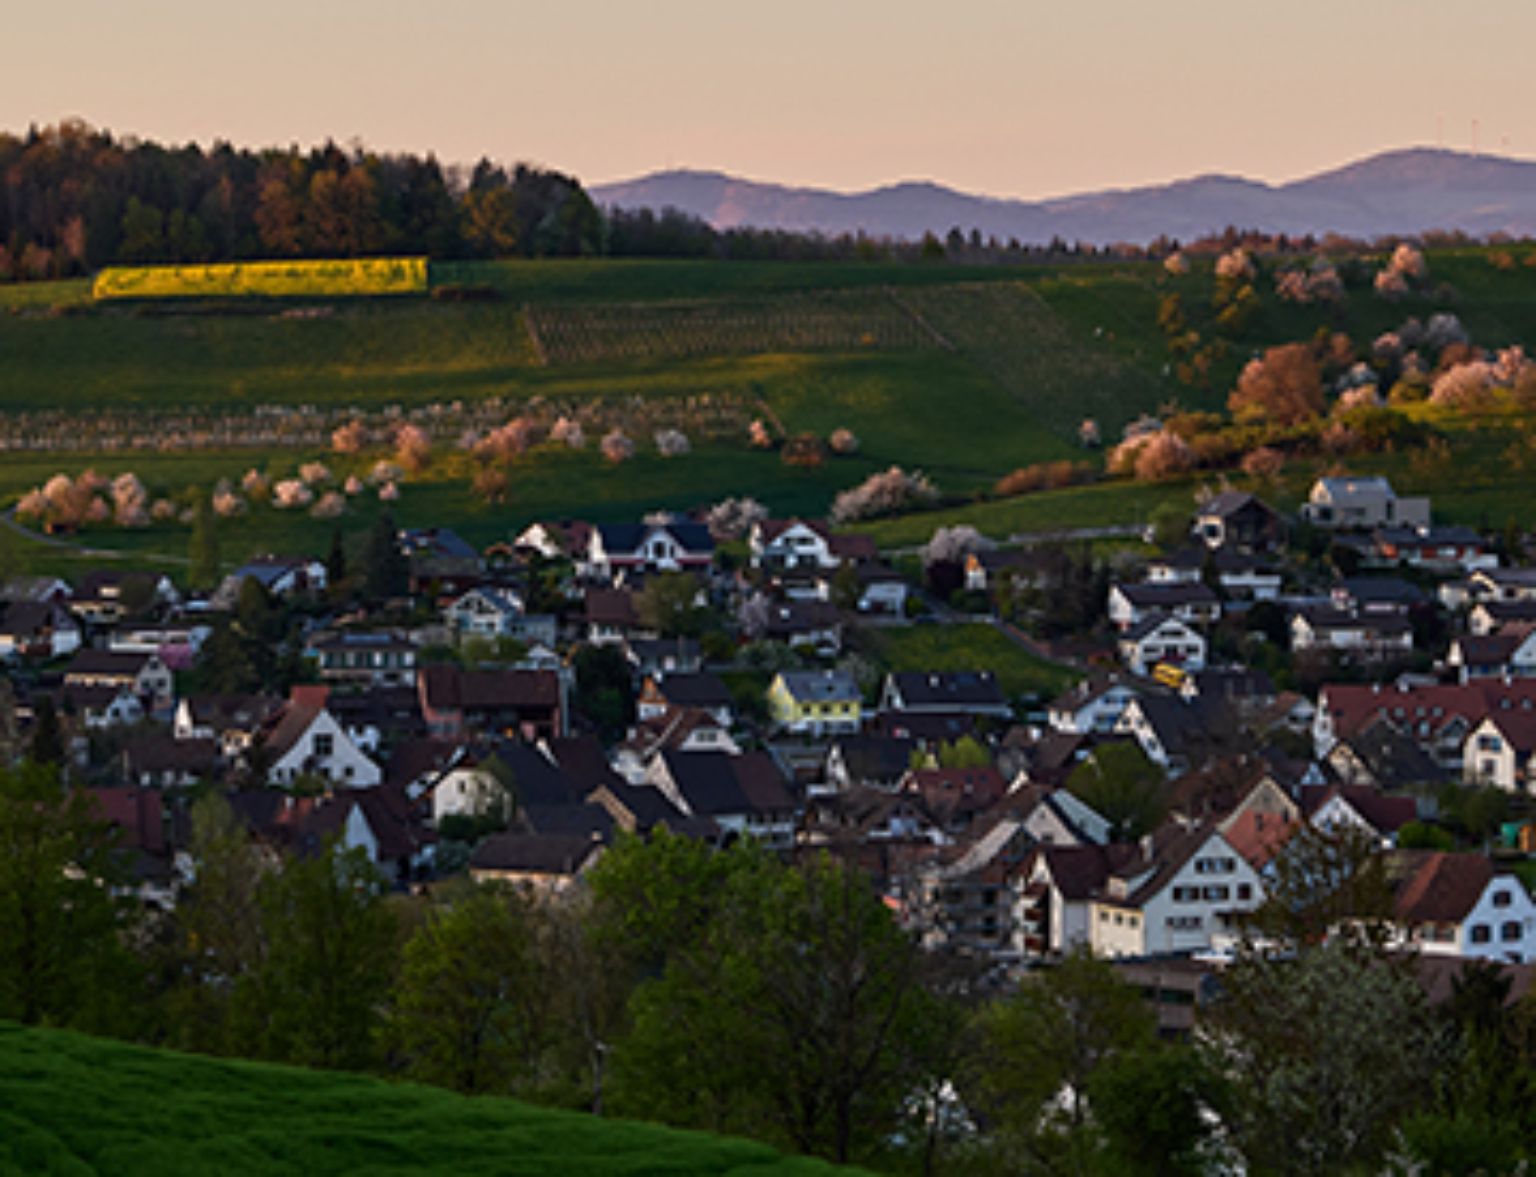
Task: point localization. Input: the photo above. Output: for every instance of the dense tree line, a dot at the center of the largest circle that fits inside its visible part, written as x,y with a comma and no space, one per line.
725,990
76,199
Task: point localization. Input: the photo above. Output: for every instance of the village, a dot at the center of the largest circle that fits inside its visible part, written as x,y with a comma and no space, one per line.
510,713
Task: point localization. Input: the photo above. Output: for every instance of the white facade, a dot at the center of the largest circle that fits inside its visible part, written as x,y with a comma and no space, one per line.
1185,912
324,748
799,545
1171,640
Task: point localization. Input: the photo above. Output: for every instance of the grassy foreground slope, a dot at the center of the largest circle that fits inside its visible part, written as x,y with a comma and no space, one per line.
72,1104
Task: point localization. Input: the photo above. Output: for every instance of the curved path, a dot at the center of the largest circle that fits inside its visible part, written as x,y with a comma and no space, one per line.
8,520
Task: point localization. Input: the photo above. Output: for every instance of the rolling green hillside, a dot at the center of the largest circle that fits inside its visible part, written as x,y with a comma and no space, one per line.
71,1104
964,372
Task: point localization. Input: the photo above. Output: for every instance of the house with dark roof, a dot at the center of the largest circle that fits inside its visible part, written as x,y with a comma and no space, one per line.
647,547
680,729
702,691
104,596
281,576
815,702
1241,574
548,864
1459,905
146,676
1159,638
1506,654
1051,907
1367,636
1185,888
1237,519
743,795
1362,502
363,658
868,759
1359,807
157,760
1498,751
145,843
1382,757
306,739
955,797
1093,705
1176,734
232,722
664,655
1437,717
971,693
37,629
611,616
526,704
1193,604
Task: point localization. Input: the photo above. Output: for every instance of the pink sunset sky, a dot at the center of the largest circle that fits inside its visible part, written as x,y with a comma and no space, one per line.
1004,97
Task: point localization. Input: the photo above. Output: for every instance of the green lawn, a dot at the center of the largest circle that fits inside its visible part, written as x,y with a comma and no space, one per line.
71,1104
975,646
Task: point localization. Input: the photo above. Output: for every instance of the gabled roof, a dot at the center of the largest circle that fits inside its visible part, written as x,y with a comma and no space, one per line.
1352,705
611,606
102,663
761,783
561,855
535,780
707,782
583,763
1171,847
25,618
137,813
920,690
1380,590
449,688
1322,618
768,530
1080,872
698,689
1392,758
1494,649
158,752
1518,728
1150,624
1168,596
693,538
1259,837
875,757
823,686
1384,813
1443,888
224,712
1230,502
1088,691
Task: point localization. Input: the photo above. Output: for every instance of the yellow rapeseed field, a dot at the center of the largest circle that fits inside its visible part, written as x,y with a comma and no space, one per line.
315,279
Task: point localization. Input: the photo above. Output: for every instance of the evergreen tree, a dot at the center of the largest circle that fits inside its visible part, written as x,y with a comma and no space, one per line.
203,546
47,736
386,570
336,560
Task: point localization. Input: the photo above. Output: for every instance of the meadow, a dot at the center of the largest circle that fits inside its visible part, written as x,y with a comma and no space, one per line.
73,1104
963,372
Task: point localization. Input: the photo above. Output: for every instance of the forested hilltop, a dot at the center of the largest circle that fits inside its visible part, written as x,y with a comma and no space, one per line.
77,199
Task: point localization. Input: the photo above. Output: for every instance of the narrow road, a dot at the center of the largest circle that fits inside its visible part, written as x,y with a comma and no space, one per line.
8,519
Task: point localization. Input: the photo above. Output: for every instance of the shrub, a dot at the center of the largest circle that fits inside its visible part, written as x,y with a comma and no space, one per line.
130,501
568,431
616,446
227,504
1176,264
256,485
951,545
1234,266
1265,463
490,484
672,443
389,492
353,485
883,494
804,449
314,473
332,503
349,438
732,518
384,471
291,493
413,448
843,441
759,436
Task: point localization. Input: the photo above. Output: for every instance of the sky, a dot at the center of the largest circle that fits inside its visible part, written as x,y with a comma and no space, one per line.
1002,97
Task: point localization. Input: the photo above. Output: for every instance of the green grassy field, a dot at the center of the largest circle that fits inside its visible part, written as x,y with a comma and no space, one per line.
71,1104
966,647
964,372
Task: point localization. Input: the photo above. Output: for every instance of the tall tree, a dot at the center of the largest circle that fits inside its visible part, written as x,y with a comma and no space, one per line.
59,917
203,546
472,1009
386,570
330,948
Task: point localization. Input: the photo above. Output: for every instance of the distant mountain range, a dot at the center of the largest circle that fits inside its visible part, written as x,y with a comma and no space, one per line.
1406,191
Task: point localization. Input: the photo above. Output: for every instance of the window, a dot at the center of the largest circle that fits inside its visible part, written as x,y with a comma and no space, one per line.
1183,923
324,744
1481,933
1510,930
1216,894
1502,898
1186,894
1245,891
1488,743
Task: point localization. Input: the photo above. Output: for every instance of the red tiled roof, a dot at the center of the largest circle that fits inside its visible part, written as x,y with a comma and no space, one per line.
1444,888
1259,837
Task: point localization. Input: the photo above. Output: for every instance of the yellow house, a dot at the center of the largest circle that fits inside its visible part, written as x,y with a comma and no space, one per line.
815,702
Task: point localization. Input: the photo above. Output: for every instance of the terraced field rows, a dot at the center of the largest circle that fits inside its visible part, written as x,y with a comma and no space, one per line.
824,321
1008,331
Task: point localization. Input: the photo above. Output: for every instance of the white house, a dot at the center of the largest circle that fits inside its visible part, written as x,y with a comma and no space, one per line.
1368,635
790,544
1090,707
1184,888
649,547
1194,604
43,629
1362,503
1498,750
484,612
308,739
1457,905
1498,655
1162,639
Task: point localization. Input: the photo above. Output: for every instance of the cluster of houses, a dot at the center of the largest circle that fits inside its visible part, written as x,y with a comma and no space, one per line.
954,797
